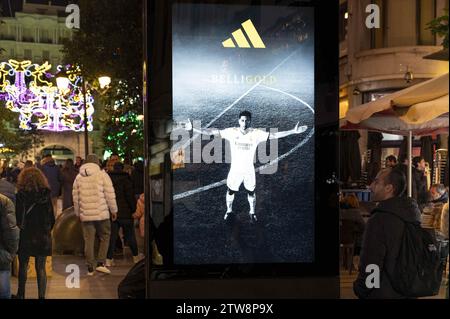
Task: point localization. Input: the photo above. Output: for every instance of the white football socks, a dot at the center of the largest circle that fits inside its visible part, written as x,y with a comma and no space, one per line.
230,199
252,202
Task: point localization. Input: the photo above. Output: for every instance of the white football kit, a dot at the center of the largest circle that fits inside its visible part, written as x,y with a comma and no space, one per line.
243,148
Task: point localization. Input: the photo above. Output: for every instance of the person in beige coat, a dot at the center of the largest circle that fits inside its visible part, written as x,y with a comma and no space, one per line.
140,215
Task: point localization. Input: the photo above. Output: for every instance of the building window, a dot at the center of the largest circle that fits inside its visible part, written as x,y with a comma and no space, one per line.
45,55
375,95
45,36
27,54
7,32
343,22
3,32
426,12
27,35
63,35
401,25
377,34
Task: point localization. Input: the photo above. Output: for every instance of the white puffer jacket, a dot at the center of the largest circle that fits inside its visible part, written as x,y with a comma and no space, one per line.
93,194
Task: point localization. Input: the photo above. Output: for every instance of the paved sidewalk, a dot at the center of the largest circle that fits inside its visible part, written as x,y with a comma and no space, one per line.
99,286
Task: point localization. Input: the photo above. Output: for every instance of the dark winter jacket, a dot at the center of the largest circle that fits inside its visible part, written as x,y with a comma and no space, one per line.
8,189
420,182
381,245
53,174
123,187
14,174
137,177
9,233
37,224
67,178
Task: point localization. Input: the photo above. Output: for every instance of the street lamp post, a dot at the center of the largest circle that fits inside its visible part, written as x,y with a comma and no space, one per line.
85,122
63,83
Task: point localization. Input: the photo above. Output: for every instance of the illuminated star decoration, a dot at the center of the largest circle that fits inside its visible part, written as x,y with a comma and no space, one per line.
27,90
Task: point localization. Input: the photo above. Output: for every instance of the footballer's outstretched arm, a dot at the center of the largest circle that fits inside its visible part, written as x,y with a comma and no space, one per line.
204,131
296,130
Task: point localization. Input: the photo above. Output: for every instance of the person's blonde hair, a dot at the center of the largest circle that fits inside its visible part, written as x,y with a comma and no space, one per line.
31,179
351,200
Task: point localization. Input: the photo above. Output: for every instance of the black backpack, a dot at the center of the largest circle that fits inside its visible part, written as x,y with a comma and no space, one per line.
133,285
418,268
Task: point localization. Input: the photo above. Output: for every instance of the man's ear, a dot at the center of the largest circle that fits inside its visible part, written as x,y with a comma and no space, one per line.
389,188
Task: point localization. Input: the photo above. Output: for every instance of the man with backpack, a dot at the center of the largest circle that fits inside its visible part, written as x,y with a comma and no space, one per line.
383,237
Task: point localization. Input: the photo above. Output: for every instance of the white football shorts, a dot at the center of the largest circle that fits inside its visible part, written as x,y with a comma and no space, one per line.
235,179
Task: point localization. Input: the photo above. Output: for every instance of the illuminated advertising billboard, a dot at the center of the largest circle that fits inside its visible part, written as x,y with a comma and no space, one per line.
243,142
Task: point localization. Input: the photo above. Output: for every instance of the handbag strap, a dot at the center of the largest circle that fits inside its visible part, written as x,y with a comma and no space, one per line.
25,213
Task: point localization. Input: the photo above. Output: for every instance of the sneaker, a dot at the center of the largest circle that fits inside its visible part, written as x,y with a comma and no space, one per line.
101,268
136,259
110,263
253,218
157,260
90,271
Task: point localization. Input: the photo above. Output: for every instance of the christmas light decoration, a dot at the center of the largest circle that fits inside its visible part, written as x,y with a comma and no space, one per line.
28,90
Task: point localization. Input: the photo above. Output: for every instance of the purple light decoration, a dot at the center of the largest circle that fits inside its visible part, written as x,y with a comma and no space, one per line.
41,104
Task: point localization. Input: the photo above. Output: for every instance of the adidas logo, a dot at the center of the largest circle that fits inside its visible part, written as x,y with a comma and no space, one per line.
241,40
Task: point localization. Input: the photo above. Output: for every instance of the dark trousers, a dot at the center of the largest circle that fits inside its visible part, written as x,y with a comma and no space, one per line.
128,232
40,273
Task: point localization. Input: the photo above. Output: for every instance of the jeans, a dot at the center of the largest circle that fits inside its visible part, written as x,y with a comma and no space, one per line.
39,264
5,284
128,232
103,230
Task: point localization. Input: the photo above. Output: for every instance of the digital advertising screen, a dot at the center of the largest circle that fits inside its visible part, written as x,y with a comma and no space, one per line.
243,140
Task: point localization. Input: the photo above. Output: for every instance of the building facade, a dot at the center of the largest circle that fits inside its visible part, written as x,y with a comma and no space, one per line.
390,57
35,31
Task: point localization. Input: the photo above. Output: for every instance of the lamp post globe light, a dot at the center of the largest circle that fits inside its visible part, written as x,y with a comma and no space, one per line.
104,81
63,83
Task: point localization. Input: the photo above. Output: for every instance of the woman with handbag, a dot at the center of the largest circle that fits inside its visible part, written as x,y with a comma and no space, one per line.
34,214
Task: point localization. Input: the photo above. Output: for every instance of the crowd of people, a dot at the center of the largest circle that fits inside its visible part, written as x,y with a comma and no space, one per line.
106,197
379,239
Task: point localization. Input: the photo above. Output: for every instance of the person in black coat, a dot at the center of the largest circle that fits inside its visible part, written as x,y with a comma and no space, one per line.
126,205
383,233
137,177
68,175
9,241
35,218
53,175
418,174
8,189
